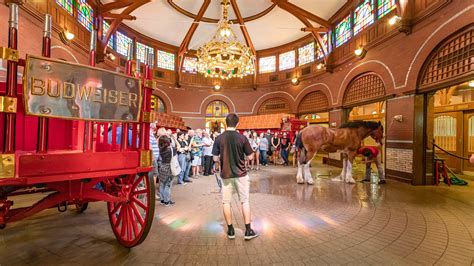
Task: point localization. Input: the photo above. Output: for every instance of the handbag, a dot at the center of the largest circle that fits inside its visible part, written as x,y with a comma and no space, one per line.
174,164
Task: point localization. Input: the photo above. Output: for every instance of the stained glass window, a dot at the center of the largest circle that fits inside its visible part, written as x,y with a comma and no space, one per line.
287,60
267,64
165,60
141,52
85,14
122,43
319,51
306,54
363,16
385,6
189,65
105,29
343,31
217,109
66,4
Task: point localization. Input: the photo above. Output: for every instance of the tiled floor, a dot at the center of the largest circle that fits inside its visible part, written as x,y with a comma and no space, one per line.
328,223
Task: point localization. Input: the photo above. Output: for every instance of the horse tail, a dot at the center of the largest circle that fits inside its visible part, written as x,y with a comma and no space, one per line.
300,146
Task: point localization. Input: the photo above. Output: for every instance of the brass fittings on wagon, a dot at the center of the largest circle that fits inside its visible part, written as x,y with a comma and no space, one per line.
7,165
9,54
8,104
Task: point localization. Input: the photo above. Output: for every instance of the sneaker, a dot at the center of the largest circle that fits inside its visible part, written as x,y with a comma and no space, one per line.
365,180
167,204
188,181
249,235
231,233
381,182
162,202
171,202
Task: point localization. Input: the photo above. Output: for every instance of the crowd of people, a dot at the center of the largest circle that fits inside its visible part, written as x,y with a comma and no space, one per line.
193,149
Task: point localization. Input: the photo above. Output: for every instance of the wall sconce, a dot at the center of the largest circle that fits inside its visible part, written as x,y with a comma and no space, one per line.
471,84
295,81
360,52
398,118
66,36
392,21
217,87
320,66
111,56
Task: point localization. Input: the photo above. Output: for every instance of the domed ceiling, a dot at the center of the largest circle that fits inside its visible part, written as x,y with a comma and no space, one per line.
267,23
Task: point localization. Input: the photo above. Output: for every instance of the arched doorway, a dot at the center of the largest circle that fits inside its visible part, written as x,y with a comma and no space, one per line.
446,82
216,112
274,106
314,108
364,99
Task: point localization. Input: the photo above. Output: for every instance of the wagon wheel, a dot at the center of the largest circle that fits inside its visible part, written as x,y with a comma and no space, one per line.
131,220
81,207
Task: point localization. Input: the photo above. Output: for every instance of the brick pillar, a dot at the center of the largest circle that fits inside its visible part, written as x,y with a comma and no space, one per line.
399,138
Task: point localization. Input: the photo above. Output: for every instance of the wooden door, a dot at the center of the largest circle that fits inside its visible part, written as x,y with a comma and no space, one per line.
447,132
468,140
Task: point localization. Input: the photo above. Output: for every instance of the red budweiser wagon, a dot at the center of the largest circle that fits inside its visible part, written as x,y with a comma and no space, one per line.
75,134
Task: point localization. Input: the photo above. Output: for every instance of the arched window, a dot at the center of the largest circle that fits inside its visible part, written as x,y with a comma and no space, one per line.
313,102
217,109
157,104
363,88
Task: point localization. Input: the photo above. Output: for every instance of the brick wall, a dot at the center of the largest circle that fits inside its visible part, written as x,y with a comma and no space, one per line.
400,160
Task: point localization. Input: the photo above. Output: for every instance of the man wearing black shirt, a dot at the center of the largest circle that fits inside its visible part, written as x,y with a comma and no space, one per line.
231,149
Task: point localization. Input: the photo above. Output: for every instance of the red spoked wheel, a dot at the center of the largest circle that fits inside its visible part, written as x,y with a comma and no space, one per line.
131,220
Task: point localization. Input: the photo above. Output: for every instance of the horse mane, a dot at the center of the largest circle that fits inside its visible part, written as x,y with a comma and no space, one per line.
360,123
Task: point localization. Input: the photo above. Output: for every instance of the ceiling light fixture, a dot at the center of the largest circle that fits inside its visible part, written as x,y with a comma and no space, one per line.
224,56
471,84
217,87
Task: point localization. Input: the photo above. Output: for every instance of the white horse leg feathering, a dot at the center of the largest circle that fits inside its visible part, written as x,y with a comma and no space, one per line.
348,176
341,177
307,174
299,175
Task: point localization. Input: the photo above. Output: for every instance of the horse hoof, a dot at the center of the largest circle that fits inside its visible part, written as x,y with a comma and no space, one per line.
300,182
351,181
336,179
310,183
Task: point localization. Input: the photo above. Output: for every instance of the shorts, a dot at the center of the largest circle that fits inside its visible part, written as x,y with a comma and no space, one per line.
241,186
196,161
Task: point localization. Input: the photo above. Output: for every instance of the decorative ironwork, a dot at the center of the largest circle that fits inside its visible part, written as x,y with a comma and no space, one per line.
454,58
313,102
274,106
364,88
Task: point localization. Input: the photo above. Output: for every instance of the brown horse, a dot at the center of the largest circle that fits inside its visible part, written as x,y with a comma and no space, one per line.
345,139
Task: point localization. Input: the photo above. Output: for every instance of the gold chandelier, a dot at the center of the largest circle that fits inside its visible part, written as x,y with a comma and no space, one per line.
224,56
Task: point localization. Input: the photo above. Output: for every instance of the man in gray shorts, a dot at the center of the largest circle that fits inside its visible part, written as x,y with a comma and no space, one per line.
231,149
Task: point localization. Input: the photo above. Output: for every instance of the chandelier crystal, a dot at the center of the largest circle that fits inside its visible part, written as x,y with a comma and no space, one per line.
224,56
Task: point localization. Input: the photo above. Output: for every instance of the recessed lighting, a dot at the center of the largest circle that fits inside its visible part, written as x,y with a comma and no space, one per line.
217,87
471,84
393,20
